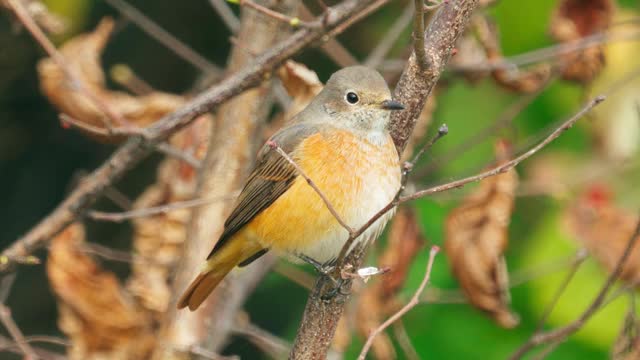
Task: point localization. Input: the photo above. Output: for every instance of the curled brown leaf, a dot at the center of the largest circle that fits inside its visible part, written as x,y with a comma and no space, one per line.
573,20
84,96
476,238
98,316
302,84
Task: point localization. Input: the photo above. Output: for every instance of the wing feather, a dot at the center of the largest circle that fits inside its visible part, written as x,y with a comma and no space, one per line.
270,178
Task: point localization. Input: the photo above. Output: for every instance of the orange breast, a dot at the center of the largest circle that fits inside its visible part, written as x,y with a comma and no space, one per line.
358,178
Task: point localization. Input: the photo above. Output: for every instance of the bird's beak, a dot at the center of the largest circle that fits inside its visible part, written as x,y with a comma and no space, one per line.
392,105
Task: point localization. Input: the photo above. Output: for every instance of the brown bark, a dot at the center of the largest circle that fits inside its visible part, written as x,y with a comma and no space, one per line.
227,162
321,317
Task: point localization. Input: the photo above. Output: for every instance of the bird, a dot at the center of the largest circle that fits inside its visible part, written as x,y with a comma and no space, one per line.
341,142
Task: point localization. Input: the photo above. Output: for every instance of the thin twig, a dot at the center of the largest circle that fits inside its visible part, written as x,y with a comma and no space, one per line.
510,164
155,210
185,156
459,183
337,52
415,300
321,316
442,131
405,341
580,257
504,119
549,52
391,35
558,335
226,14
311,183
164,148
123,75
137,148
407,168
418,34
16,334
272,345
157,33
295,275
292,21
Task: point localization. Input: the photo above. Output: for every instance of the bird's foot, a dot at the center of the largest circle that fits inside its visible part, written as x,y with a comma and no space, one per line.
327,271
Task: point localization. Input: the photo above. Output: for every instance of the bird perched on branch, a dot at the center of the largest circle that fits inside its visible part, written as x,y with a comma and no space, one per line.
340,142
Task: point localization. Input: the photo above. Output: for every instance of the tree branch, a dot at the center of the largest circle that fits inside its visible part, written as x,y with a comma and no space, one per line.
415,300
558,335
321,317
137,148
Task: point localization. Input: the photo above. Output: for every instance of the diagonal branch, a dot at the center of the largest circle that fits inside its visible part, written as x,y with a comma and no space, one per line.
415,300
558,335
137,148
321,316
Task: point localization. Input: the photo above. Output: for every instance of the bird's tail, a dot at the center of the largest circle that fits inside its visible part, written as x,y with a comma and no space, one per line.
216,268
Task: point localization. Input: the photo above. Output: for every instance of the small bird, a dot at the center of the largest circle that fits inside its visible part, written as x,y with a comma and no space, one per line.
341,142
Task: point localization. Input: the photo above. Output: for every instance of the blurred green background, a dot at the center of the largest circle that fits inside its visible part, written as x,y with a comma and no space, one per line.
39,161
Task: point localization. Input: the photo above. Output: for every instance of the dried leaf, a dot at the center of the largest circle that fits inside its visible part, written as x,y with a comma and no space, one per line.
301,83
159,239
575,19
379,300
99,317
476,238
82,56
604,230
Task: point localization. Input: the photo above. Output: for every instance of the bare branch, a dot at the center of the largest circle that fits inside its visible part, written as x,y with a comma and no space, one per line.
321,316
164,147
294,22
137,148
10,325
377,55
159,34
228,17
415,300
510,164
581,256
558,335
151,211
418,34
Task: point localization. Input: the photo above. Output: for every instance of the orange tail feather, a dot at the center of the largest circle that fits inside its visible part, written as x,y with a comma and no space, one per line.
218,266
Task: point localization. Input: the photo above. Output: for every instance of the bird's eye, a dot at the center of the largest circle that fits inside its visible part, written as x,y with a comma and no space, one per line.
352,98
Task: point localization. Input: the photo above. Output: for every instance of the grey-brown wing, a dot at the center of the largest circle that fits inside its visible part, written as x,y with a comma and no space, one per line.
270,178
